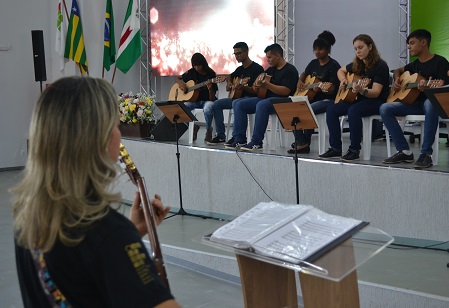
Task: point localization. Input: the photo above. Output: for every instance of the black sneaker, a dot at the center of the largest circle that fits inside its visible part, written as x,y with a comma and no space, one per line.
350,156
216,140
230,141
235,145
304,150
424,161
399,157
330,153
251,147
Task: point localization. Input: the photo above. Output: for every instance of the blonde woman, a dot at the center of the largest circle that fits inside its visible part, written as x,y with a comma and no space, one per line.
72,248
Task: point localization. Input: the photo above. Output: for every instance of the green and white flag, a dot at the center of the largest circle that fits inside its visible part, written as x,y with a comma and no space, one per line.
130,47
61,33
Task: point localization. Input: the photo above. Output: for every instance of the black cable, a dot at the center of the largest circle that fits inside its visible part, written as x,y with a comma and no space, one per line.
250,173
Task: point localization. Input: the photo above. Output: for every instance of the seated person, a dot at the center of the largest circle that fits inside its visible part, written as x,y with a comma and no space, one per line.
249,70
325,69
368,65
282,83
429,66
201,72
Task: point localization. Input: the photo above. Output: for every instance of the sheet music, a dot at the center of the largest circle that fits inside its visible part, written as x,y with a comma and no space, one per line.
305,235
288,232
257,222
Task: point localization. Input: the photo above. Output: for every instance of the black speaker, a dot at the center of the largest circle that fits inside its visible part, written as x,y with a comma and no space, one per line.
40,73
164,130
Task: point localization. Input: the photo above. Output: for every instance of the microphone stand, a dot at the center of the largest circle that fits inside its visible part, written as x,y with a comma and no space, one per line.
181,211
295,121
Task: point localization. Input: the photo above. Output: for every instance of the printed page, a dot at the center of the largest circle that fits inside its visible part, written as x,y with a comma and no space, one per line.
256,223
304,236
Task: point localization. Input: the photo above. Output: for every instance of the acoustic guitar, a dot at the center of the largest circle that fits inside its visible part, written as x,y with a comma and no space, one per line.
345,94
409,91
192,90
261,79
155,251
310,83
236,93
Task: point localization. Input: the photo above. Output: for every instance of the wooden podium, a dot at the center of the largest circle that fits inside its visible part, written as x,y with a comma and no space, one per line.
267,282
270,285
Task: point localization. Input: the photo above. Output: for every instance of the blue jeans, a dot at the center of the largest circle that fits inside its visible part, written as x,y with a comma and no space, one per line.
207,109
262,108
304,137
390,111
217,110
355,111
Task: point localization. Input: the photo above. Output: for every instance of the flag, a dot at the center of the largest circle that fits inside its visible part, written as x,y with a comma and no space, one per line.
130,46
109,39
61,33
74,46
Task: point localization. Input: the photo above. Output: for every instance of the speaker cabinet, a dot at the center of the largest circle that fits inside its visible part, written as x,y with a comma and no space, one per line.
164,130
40,73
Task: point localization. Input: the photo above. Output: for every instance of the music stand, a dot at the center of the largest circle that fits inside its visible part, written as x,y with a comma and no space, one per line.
439,98
176,112
295,113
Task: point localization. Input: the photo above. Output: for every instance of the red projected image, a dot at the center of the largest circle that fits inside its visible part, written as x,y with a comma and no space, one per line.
181,28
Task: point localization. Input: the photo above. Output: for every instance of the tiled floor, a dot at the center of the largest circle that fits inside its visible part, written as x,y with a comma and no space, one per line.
418,270
190,288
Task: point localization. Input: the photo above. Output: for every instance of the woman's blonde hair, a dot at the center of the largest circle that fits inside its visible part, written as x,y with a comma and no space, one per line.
359,67
68,171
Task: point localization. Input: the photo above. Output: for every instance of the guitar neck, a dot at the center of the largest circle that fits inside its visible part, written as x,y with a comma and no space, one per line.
313,85
199,85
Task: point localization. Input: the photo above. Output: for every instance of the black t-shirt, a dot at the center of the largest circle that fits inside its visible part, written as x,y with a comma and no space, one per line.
252,71
192,74
379,74
437,68
109,268
325,73
287,76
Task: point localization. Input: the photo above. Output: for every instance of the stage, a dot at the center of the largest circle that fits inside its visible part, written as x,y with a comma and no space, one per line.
409,204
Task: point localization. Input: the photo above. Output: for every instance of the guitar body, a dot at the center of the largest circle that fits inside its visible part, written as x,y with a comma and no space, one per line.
176,94
409,89
310,83
262,78
237,93
346,94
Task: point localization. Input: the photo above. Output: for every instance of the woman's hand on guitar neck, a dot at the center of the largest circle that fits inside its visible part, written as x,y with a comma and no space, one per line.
158,208
137,216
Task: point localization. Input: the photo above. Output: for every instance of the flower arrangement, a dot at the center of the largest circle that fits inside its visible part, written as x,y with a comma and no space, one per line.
136,108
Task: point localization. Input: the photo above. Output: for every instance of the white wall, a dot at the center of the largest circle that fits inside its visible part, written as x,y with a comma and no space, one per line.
347,19
19,91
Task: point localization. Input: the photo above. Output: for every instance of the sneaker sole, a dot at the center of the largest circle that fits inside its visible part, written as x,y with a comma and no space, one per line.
350,160
250,150
214,143
422,167
398,162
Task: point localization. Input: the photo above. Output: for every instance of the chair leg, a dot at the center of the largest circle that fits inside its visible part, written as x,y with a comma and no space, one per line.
191,129
387,139
321,133
273,121
228,127
366,143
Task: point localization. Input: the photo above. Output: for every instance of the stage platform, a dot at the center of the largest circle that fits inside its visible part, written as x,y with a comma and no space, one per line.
409,204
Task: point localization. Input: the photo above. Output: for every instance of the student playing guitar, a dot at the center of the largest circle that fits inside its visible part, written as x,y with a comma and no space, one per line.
429,66
323,71
367,64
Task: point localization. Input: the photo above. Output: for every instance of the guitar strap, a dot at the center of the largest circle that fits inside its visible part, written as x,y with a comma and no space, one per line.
54,295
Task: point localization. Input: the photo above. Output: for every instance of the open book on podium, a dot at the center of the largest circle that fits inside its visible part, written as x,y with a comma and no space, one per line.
291,233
